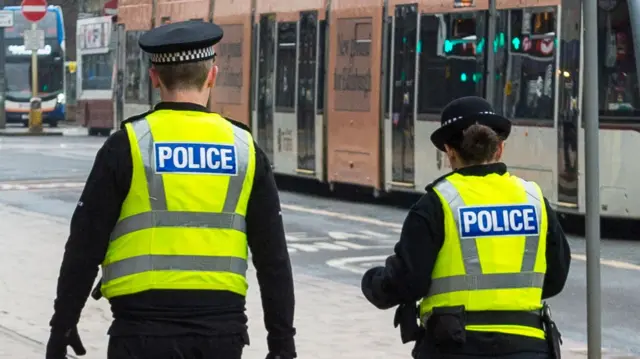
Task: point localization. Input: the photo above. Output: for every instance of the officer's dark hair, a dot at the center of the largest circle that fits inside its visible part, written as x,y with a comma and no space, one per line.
189,76
477,144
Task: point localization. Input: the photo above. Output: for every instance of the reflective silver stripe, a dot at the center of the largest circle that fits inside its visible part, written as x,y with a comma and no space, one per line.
146,263
153,219
474,279
236,183
486,281
532,242
468,246
157,196
160,216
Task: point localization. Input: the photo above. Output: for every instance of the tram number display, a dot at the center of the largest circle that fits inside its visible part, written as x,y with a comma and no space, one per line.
352,74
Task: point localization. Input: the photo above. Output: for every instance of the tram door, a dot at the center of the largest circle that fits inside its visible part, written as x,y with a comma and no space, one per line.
266,66
307,66
568,108
402,118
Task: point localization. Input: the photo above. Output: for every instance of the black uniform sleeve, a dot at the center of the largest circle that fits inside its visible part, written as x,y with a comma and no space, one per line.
558,256
266,239
406,276
93,220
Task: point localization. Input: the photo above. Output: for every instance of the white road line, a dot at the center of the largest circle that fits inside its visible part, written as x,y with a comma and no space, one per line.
580,257
349,217
346,264
297,208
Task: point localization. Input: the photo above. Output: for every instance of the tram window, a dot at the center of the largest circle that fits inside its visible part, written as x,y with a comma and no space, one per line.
450,59
286,67
321,64
530,50
96,72
136,71
618,74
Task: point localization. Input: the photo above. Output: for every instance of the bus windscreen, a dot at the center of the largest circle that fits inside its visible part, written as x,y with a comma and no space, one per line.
48,24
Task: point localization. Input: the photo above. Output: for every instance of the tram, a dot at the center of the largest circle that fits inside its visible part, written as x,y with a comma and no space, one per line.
349,91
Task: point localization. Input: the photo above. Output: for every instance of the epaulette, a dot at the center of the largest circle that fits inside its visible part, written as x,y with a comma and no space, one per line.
429,188
135,118
237,123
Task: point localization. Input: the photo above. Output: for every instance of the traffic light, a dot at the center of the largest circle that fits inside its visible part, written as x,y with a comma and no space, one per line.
480,46
448,46
463,77
516,43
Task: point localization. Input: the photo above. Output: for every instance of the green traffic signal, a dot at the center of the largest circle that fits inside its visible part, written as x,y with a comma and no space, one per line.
448,46
516,43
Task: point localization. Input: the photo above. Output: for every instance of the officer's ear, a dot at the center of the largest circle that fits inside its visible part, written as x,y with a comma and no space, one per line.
499,151
211,76
155,78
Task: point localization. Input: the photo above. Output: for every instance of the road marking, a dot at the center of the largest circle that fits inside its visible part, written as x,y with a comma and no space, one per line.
580,257
394,227
609,262
347,263
336,241
349,217
32,186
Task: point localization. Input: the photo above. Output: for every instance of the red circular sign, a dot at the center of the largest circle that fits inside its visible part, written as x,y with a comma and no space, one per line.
34,10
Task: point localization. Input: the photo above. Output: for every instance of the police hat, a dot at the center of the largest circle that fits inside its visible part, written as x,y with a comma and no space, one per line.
461,113
181,42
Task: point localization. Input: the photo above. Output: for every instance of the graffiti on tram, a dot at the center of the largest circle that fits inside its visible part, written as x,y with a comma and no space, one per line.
230,63
352,74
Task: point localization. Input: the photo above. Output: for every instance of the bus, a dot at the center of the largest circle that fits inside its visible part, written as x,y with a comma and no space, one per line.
349,92
51,68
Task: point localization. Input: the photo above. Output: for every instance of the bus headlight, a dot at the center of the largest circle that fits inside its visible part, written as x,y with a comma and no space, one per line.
61,98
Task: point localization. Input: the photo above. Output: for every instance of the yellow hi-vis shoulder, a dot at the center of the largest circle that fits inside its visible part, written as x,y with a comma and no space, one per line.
182,225
493,256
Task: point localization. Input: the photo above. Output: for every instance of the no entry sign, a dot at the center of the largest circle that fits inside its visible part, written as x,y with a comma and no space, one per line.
34,10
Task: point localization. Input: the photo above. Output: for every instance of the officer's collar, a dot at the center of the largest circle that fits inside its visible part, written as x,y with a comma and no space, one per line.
483,170
475,170
180,106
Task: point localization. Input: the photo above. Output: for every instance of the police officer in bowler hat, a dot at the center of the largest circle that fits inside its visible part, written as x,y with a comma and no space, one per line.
480,251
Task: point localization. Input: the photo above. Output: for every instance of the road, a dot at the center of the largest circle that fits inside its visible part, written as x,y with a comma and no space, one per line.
331,240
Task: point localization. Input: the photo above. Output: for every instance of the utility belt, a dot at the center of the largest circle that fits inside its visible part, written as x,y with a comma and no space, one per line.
446,326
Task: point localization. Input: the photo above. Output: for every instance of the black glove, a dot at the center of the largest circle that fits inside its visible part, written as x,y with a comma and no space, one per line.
59,340
279,356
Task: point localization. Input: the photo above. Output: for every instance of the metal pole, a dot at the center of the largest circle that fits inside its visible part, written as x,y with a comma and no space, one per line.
35,118
491,55
3,80
592,172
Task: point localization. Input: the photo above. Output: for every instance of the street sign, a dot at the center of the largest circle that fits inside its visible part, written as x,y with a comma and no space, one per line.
34,10
33,39
6,18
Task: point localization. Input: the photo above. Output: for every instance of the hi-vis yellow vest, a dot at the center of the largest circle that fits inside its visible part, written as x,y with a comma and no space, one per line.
182,225
493,256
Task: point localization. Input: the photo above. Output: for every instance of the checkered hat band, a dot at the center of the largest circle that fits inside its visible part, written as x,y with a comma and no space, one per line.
183,56
454,119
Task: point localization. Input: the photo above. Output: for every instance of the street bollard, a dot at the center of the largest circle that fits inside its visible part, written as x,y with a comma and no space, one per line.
35,115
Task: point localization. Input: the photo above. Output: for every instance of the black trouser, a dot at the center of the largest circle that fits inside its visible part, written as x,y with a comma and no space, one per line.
523,355
184,347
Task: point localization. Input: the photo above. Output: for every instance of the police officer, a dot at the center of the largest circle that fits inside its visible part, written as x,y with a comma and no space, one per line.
480,251
173,202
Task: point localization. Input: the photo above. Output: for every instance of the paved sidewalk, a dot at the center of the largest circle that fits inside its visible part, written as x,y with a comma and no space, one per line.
333,320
